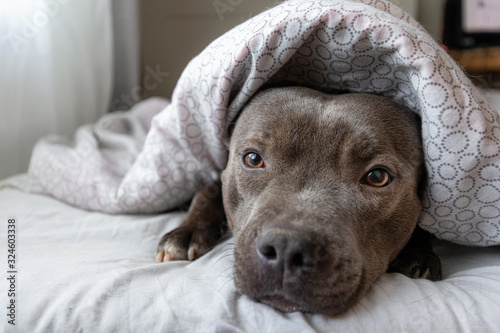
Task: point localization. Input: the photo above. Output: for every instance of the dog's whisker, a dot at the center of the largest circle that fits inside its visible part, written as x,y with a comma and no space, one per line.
227,255
224,284
226,245
222,258
223,251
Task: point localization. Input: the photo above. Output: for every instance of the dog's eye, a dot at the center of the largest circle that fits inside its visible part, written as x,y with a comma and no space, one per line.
253,160
378,178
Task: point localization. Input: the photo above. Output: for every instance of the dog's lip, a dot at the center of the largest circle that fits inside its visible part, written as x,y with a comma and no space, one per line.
280,303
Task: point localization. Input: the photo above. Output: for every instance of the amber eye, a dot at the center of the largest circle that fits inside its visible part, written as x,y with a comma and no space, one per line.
378,178
253,160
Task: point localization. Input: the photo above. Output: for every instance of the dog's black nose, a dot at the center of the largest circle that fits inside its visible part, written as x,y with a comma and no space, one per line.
285,253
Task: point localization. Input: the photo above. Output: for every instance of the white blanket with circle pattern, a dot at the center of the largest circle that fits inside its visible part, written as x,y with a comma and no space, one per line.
127,163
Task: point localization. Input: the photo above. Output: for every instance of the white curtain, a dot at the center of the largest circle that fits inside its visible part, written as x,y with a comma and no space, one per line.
57,68
127,53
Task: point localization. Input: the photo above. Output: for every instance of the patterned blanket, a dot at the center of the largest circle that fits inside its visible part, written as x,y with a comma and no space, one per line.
158,155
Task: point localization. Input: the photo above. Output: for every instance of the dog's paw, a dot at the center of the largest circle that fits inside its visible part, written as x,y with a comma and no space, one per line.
417,264
184,243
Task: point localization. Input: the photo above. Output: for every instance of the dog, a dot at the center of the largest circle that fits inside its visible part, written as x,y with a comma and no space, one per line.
322,194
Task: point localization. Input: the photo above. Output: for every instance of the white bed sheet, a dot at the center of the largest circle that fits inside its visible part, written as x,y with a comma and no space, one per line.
81,271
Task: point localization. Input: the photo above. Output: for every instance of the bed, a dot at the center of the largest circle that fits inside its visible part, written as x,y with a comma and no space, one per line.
92,272
85,260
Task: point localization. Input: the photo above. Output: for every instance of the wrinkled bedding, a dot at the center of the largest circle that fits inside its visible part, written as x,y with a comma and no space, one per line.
157,159
81,271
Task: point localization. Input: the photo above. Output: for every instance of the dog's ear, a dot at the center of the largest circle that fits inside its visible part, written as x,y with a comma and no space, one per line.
229,133
230,129
422,182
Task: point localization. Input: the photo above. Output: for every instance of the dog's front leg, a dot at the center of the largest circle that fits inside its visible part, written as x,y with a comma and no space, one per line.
202,228
418,259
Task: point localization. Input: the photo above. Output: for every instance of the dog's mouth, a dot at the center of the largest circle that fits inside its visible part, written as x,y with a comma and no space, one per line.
281,303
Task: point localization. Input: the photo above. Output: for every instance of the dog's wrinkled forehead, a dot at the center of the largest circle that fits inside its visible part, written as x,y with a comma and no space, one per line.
361,123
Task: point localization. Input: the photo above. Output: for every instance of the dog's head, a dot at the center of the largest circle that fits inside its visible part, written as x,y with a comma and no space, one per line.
321,194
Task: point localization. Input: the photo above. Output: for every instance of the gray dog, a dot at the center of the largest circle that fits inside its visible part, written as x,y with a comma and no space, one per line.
322,195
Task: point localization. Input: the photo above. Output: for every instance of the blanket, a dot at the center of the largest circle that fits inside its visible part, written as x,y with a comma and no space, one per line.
159,155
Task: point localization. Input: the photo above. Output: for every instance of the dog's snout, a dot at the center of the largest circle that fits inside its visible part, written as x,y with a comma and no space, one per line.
283,253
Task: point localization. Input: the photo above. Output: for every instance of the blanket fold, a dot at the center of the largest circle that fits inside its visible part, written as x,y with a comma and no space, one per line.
368,46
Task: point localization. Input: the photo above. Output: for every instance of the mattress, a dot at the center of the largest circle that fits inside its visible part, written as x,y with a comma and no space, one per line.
81,271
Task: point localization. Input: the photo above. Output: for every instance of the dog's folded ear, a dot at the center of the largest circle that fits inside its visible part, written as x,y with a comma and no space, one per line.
422,183
231,126
230,130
